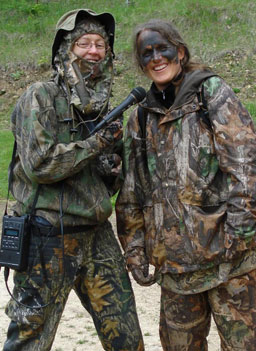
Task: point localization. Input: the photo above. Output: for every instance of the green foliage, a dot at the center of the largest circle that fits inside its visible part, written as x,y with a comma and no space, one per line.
5,116
82,342
251,107
210,25
236,90
147,334
113,200
17,75
6,146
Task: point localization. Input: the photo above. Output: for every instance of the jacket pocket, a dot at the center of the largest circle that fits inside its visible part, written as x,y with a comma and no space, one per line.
204,227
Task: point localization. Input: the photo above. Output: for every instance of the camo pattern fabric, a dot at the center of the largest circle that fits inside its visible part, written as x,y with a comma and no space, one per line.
189,199
94,267
96,77
49,154
90,26
185,319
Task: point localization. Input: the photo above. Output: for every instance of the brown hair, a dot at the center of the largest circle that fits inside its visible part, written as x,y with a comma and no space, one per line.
169,32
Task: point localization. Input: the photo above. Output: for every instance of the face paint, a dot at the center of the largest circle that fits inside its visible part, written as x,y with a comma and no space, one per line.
153,45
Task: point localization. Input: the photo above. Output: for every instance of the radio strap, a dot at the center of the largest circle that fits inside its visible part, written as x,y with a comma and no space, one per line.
10,175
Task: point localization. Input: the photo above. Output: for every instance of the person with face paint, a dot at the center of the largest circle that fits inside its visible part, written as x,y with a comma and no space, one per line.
188,202
68,177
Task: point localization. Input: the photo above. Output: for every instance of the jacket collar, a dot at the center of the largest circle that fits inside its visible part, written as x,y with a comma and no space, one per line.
188,89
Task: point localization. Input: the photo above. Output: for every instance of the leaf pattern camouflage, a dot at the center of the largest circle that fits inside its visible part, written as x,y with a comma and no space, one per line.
47,155
185,319
94,266
189,199
92,95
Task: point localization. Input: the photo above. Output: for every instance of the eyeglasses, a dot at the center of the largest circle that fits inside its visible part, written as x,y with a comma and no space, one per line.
88,45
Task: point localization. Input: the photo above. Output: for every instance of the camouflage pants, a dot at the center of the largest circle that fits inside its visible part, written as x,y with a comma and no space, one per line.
93,266
185,319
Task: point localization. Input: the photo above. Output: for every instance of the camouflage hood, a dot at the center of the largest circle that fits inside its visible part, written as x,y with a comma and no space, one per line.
69,21
88,84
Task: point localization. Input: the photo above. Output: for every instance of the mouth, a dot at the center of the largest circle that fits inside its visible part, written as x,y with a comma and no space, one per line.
161,67
92,58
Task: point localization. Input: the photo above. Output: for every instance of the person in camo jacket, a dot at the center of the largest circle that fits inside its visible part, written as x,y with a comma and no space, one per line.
72,244
188,202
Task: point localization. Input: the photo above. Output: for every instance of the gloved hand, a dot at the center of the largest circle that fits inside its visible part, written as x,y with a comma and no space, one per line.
109,165
235,247
138,265
112,132
117,165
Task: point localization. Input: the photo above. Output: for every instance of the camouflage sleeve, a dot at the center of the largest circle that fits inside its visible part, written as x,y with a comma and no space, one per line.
235,145
129,216
44,158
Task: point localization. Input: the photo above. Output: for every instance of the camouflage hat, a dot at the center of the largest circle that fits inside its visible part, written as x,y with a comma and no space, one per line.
70,19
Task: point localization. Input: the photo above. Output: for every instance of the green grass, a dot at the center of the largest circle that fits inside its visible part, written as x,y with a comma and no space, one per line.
6,146
27,26
251,107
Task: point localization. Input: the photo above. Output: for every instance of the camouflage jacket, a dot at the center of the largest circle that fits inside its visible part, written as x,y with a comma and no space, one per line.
47,155
189,198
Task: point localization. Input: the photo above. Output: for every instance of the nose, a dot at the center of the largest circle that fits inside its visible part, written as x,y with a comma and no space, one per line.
92,49
156,55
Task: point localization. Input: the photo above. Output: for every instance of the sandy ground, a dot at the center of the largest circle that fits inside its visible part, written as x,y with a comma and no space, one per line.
76,330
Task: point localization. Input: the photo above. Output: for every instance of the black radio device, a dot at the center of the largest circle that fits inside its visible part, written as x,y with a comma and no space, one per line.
14,242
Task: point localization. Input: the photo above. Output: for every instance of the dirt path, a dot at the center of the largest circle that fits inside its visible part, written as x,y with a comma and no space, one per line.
76,330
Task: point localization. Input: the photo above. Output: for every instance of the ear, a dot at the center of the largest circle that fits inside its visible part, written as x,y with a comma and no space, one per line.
181,52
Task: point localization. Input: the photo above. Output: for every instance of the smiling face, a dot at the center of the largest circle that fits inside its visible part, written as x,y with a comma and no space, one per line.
90,47
159,58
